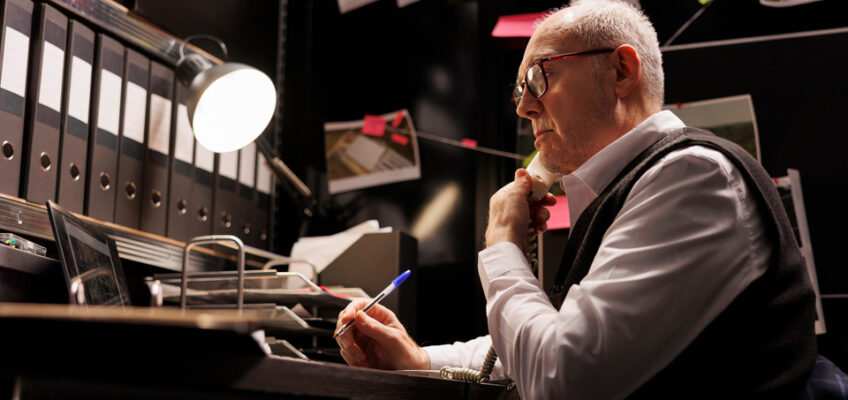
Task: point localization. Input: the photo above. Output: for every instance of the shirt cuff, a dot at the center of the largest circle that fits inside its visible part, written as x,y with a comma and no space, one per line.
500,259
441,356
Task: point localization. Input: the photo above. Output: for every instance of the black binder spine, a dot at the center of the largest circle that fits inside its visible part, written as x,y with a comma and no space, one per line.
246,187
182,174
157,159
264,201
131,140
72,165
103,134
203,193
43,117
16,16
226,193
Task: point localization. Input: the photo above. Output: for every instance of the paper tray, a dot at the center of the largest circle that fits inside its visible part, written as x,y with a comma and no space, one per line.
216,288
278,320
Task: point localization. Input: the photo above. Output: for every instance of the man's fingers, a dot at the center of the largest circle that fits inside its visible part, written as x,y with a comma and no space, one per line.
543,215
523,180
348,344
383,315
370,327
348,312
352,358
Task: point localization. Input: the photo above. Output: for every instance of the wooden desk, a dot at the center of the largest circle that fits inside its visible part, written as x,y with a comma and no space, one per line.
62,351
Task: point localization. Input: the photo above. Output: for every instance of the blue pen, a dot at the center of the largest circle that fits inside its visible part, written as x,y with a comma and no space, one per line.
387,291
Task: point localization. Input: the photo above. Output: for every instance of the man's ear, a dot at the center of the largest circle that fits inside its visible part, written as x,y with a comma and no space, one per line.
628,70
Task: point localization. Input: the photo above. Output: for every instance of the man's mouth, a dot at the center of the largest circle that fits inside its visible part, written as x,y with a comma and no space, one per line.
541,132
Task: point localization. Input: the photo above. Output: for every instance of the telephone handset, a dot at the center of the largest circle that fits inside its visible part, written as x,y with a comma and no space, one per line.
542,179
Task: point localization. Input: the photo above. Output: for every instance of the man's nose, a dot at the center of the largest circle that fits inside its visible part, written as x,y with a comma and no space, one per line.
528,106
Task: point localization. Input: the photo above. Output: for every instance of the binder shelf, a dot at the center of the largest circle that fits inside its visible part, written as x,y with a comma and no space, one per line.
29,219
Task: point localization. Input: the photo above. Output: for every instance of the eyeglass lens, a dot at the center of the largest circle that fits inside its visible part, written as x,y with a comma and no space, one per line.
535,81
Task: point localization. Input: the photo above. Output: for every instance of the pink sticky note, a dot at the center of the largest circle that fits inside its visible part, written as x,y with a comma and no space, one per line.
469,143
521,25
398,119
374,125
400,139
559,214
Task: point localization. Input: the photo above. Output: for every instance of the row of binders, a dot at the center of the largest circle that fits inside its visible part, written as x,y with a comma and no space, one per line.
101,129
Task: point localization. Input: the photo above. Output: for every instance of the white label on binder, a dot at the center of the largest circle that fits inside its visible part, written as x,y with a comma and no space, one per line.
52,70
15,57
134,112
203,158
109,111
80,94
228,164
160,123
247,164
185,136
263,175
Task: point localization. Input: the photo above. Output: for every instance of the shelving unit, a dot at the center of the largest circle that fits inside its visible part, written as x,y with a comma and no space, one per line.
29,219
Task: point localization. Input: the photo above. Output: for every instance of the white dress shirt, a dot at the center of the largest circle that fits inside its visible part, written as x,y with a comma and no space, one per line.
687,241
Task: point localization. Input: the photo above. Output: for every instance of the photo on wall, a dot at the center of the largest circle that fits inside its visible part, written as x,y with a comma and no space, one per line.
376,150
731,118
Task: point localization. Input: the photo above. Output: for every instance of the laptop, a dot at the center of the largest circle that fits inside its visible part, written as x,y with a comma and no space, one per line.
88,256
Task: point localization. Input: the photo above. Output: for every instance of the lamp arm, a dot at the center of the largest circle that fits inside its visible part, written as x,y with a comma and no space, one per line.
284,173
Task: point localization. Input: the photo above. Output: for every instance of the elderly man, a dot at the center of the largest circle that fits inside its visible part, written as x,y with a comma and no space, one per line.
681,277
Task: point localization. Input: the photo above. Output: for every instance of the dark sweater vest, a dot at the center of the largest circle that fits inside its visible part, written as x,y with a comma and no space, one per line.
763,345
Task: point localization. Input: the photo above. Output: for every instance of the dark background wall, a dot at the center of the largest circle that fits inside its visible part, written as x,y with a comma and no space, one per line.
438,59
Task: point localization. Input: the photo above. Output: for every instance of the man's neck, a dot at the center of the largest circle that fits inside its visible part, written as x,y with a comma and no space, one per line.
629,114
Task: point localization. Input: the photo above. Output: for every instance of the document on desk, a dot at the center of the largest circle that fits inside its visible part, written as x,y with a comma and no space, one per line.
320,251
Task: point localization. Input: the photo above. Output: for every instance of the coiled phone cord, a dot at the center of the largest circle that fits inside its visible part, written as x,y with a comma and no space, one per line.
482,376
469,374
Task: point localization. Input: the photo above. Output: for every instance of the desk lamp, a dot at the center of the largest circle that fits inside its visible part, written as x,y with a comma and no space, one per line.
229,105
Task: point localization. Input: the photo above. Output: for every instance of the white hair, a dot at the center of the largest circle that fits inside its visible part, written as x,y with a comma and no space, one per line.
611,23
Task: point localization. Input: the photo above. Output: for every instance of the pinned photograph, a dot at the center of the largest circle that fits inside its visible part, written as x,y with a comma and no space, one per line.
731,118
376,150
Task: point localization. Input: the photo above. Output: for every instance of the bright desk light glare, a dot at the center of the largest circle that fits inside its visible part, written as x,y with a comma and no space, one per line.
229,105
234,110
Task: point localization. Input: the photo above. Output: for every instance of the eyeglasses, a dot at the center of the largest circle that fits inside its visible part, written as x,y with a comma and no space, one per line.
535,80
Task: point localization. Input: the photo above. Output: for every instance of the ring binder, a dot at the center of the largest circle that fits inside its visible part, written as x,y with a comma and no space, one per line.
45,104
103,138
73,163
14,40
155,196
131,144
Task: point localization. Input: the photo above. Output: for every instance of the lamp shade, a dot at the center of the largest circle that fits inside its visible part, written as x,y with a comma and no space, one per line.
229,105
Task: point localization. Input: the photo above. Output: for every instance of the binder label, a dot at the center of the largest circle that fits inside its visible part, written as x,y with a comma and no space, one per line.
52,69
228,165
134,112
263,175
80,94
13,77
109,110
160,123
247,165
203,158
185,137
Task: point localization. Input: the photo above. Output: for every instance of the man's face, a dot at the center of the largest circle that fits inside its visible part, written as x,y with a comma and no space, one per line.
577,107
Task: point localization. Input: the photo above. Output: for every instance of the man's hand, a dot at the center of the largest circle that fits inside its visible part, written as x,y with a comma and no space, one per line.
378,340
512,215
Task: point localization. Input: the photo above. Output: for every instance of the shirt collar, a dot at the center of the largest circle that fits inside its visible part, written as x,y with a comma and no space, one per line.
583,185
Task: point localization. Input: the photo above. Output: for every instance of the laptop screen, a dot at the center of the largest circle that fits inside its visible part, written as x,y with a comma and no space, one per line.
88,255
